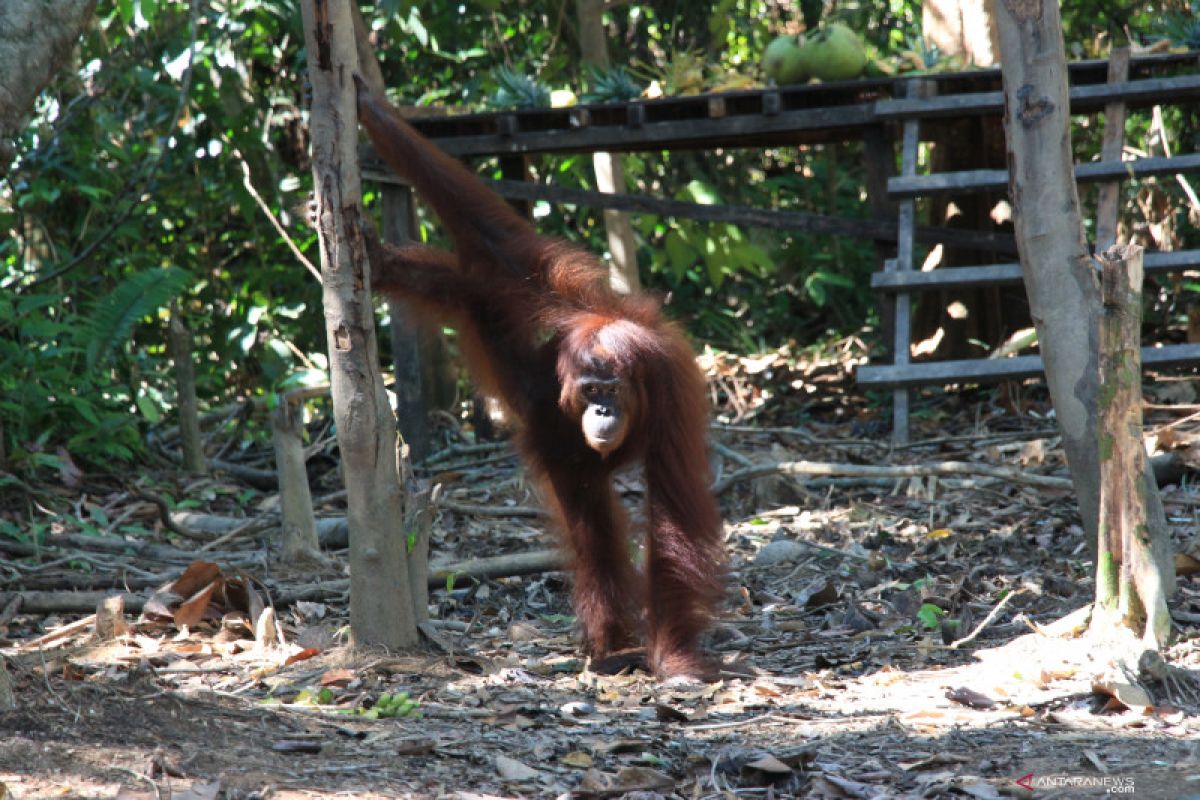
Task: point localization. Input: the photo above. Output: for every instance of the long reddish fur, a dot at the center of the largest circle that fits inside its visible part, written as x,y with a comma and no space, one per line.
505,288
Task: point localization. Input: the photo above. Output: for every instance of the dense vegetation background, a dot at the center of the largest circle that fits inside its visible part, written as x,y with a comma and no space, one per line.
149,176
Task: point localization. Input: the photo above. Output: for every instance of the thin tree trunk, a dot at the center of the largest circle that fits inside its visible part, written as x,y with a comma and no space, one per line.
1128,579
381,610
610,171
299,540
1064,295
179,339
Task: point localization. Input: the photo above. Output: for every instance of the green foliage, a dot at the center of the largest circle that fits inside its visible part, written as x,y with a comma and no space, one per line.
930,616
614,85
115,315
129,191
1182,27
517,90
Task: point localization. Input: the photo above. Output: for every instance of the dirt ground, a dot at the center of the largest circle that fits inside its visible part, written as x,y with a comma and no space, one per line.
882,638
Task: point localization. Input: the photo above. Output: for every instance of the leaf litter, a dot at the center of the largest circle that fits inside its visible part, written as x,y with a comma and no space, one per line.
882,636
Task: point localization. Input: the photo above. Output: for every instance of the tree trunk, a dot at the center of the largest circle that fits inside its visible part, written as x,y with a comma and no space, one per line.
1060,281
381,611
964,28
36,39
610,171
1128,579
299,541
1064,295
179,339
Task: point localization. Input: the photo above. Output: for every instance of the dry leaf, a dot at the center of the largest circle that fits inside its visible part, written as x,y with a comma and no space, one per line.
578,758
770,764
198,575
302,655
970,698
633,779
337,677
192,610
1130,695
512,770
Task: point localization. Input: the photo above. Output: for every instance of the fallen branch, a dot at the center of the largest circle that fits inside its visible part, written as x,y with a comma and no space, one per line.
505,566
944,469
70,602
491,511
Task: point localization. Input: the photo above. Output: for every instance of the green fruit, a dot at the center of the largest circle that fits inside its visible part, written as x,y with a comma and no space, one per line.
835,53
782,61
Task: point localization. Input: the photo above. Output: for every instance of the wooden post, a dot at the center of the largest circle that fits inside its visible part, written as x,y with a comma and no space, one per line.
299,540
516,168
180,343
902,301
1108,198
412,412
1128,580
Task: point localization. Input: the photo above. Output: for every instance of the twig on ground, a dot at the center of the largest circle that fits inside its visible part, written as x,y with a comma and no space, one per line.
970,637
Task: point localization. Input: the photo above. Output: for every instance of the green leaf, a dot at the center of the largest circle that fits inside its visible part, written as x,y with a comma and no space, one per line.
930,615
112,320
680,254
703,193
149,409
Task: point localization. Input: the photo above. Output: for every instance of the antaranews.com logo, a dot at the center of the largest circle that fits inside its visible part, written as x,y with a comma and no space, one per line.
1112,784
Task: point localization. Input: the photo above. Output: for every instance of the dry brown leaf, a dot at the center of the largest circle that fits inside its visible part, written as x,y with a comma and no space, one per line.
194,609
302,655
1129,695
197,576
970,698
337,677
644,779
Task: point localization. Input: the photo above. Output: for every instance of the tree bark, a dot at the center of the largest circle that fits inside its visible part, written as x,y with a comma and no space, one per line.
610,171
1060,280
36,39
299,539
1128,578
1064,295
381,611
180,341
961,28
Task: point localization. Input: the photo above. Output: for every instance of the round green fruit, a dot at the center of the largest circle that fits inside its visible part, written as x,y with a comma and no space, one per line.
835,53
782,61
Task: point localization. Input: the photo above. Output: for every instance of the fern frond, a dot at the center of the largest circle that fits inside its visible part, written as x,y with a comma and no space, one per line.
111,321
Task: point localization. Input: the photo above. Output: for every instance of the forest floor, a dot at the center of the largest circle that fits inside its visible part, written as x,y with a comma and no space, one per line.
882,637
